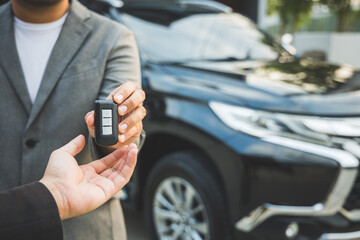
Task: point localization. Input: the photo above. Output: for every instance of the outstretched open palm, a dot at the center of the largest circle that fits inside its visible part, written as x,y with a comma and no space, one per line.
81,189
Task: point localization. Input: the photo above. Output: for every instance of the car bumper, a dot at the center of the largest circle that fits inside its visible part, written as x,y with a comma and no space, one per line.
341,236
331,204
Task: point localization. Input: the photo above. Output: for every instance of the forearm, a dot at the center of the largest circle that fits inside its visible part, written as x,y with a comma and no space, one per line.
29,210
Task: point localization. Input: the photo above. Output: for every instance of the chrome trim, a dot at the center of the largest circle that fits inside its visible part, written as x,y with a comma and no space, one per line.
352,147
348,165
341,236
353,215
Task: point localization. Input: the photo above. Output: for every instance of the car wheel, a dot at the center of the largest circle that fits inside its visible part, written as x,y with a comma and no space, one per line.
184,200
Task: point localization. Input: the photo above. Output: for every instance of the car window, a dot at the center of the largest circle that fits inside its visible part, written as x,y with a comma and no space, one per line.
202,36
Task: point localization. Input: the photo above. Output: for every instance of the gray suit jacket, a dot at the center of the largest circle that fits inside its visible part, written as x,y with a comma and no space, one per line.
91,57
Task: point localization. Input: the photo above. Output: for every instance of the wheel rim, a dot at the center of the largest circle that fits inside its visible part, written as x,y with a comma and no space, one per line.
179,212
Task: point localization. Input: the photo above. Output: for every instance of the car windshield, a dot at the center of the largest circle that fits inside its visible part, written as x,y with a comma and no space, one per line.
197,37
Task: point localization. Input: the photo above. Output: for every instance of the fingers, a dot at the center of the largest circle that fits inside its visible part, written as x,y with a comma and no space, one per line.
90,122
133,101
128,159
90,119
132,134
131,126
136,116
122,173
122,92
119,175
109,160
128,96
74,146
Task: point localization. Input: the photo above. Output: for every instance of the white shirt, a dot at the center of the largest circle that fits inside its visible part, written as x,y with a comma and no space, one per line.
34,43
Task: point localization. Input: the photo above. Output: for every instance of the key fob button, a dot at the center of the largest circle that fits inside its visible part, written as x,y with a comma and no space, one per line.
106,113
106,121
106,130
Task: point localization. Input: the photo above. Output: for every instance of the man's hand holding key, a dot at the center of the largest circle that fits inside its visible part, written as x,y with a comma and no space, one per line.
130,111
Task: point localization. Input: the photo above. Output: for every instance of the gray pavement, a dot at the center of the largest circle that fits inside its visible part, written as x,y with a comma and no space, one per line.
135,225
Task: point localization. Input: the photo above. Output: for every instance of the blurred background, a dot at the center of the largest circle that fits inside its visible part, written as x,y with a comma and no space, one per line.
325,29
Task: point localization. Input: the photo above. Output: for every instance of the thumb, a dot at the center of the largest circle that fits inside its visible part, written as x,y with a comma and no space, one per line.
90,119
74,146
90,122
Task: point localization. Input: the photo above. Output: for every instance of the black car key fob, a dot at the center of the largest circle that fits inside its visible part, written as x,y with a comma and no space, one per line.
106,122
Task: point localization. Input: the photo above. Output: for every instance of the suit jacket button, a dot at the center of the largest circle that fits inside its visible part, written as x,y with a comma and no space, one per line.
30,143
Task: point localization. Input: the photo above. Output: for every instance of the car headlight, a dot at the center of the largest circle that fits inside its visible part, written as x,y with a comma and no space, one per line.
309,128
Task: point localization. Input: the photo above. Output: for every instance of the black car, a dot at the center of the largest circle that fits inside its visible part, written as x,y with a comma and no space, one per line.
244,141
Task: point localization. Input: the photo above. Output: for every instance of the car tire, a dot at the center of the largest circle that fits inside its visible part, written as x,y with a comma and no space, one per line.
184,200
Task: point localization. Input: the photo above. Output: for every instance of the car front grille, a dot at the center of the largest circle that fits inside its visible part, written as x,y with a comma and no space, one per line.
353,200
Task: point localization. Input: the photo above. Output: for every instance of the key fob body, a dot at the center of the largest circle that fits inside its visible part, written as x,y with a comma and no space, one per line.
106,122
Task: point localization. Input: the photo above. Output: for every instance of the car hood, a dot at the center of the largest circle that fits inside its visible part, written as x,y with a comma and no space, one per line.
299,86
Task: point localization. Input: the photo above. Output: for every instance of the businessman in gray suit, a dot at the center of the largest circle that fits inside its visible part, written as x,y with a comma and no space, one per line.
56,58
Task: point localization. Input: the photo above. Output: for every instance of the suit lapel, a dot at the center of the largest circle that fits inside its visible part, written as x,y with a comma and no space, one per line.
9,58
72,35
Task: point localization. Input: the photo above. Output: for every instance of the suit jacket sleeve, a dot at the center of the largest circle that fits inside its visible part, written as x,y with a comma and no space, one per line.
123,64
29,212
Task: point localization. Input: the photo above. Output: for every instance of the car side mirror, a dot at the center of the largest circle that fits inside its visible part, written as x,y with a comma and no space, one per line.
287,43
